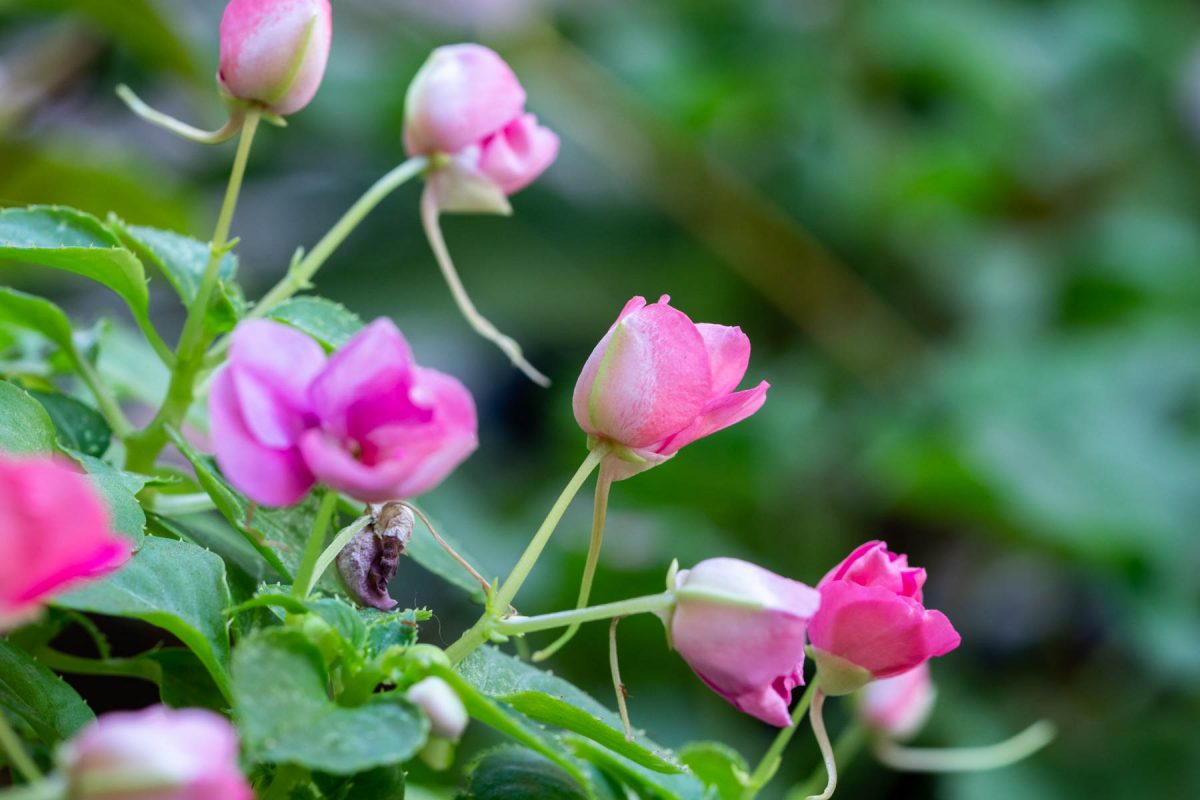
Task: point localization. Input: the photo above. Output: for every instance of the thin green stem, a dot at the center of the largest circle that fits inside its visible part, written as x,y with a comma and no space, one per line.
450,551
599,513
480,324
177,127
298,276
15,750
105,399
618,684
306,576
176,504
189,359
966,759
645,604
770,761
827,755
845,749
330,553
77,665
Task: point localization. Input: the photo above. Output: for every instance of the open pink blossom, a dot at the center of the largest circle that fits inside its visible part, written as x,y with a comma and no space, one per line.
466,107
273,52
742,628
872,623
55,531
368,421
898,706
658,381
157,753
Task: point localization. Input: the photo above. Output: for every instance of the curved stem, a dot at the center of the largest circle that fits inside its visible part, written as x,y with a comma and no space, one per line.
105,400
306,576
599,513
845,749
618,684
818,726
646,604
966,759
177,127
770,761
174,504
481,325
145,446
339,542
77,665
462,562
15,750
299,275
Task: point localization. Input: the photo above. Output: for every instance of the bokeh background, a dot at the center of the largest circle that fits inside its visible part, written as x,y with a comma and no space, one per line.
962,236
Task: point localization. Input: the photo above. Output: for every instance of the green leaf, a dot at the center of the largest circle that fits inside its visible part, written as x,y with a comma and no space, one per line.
514,773
281,701
424,550
67,239
553,701
330,323
343,618
718,765
25,427
32,313
80,427
52,708
391,628
119,489
183,261
183,681
381,783
176,586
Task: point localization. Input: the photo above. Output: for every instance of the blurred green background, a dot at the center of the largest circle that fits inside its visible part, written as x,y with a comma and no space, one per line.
962,235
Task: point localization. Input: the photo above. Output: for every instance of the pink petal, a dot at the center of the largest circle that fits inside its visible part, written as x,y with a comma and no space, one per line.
728,355
261,41
517,155
280,356
373,363
336,468
728,410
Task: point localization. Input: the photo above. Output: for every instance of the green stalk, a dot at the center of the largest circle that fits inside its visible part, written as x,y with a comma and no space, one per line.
845,749
646,604
15,750
189,359
599,514
770,761
306,574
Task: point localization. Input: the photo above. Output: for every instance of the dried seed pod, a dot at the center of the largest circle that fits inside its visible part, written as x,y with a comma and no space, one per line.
371,558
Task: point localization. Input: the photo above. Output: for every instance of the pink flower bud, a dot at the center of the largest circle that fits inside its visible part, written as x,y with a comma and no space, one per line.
273,52
156,754
55,531
466,103
368,421
898,706
447,715
872,623
741,628
658,381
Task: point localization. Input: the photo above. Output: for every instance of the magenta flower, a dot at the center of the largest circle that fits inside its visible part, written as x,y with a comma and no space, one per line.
467,107
55,532
369,421
898,706
872,623
741,628
157,753
273,52
658,381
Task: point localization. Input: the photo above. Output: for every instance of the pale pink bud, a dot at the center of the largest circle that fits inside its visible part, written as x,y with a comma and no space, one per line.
658,381
742,629
900,705
273,52
872,623
156,754
446,712
55,531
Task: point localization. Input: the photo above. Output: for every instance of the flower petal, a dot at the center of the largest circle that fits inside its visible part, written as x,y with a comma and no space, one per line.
726,411
728,355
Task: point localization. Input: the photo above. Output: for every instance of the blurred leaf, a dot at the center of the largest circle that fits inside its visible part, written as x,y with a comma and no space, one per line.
390,628
118,488
52,708
79,426
381,783
425,550
175,586
21,310
718,765
514,773
343,618
330,323
183,681
25,427
281,701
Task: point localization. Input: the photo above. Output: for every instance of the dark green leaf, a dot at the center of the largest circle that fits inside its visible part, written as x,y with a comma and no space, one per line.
514,773
183,681
31,313
52,708
80,427
718,765
381,783
286,716
25,427
391,628
174,585
330,323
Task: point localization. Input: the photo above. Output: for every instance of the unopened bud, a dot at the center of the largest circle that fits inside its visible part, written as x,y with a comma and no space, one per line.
446,712
273,52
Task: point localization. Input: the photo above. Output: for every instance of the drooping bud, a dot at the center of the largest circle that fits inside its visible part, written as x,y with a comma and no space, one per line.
446,712
273,52
372,557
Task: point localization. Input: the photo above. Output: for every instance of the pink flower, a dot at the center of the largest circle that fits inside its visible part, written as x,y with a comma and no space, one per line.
55,531
467,105
156,754
658,381
368,421
273,52
872,623
898,706
741,628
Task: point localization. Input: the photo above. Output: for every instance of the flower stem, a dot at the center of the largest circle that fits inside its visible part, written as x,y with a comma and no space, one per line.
450,551
966,759
300,274
306,575
107,403
770,761
599,513
15,750
177,127
845,749
618,684
144,447
827,754
481,325
645,604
